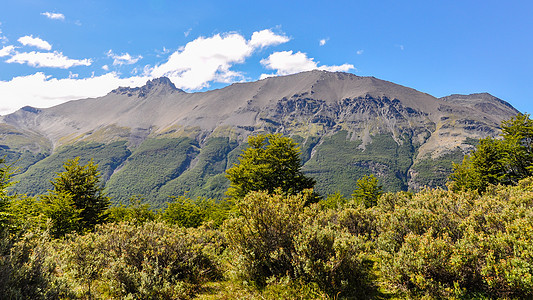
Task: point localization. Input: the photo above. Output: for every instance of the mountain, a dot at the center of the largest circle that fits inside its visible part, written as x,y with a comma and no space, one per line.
158,140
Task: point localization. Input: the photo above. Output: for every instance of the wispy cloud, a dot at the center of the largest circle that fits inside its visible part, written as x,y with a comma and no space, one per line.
359,52
53,16
186,33
3,38
205,60
47,59
287,62
7,50
322,42
29,40
123,59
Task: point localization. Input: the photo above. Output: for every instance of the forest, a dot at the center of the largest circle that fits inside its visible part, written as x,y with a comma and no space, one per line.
273,237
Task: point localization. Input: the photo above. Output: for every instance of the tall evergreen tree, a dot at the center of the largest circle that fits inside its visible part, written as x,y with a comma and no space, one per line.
368,191
498,161
82,184
271,161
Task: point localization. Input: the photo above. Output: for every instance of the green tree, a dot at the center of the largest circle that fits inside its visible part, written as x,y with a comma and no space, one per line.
61,209
368,191
187,212
135,212
271,161
518,133
82,184
5,198
498,161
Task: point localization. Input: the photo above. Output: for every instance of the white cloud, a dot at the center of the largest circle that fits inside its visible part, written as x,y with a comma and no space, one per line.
7,50
266,37
53,16
359,52
123,59
193,66
29,40
287,62
3,39
47,59
205,60
186,33
42,91
105,67
322,42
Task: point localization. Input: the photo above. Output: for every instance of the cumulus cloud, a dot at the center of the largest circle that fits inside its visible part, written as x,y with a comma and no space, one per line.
193,66
287,62
7,50
47,59
322,42
40,90
209,59
123,59
29,40
53,16
266,37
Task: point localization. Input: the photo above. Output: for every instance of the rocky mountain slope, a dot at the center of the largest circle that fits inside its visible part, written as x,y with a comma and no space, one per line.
157,140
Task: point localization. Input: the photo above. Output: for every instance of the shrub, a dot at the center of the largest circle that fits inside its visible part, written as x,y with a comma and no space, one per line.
334,259
28,268
277,237
186,212
135,212
262,237
152,261
443,244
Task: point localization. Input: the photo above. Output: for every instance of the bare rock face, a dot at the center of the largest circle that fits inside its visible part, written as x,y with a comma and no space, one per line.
317,108
155,87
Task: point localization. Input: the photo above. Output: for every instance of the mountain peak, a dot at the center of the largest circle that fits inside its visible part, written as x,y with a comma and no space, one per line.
478,99
155,87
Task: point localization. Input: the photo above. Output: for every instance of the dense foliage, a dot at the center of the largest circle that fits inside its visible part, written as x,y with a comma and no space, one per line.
498,161
271,161
77,194
463,243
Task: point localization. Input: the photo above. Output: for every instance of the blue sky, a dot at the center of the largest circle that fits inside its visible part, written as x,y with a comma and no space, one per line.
54,51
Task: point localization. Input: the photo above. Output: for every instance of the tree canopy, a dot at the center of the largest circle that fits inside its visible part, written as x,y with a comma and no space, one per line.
505,160
79,187
271,161
368,191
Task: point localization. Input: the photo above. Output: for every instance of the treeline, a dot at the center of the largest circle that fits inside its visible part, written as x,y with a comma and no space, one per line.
274,238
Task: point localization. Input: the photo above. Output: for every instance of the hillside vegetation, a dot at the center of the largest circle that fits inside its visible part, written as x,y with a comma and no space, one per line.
156,141
473,241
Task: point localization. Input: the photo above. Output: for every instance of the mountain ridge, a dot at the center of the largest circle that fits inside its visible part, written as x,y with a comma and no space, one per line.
321,110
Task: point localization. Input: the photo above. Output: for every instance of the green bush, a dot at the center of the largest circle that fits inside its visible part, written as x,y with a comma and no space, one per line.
152,261
334,259
28,268
186,212
277,237
262,236
135,212
444,244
